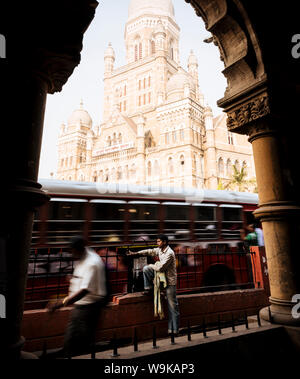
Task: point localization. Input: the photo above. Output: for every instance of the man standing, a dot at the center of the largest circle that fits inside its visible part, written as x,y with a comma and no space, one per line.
88,293
166,264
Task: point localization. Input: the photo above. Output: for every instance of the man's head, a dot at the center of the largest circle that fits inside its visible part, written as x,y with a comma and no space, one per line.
77,246
162,240
251,228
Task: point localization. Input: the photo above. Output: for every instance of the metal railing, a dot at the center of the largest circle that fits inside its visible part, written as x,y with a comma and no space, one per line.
218,268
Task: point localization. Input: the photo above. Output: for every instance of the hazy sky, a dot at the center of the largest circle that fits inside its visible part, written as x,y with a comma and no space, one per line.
86,83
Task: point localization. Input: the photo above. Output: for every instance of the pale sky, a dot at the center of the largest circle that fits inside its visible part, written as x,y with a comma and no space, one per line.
86,83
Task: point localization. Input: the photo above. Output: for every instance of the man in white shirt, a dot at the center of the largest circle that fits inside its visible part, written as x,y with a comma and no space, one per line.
87,291
260,235
166,264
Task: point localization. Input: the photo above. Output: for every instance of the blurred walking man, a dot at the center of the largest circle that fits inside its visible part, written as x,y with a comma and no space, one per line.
166,264
88,293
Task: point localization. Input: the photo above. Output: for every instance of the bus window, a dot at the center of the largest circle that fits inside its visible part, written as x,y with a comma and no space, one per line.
107,223
231,221
205,226
144,221
177,220
65,219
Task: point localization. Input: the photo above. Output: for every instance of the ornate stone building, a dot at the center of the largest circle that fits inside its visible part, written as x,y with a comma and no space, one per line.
156,127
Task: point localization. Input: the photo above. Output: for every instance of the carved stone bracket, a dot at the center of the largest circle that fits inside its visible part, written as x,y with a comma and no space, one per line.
242,115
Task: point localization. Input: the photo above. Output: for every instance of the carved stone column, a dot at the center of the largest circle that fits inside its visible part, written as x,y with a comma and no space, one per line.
278,210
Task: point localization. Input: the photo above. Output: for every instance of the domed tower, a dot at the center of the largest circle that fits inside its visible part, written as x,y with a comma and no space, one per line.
109,59
193,70
144,17
210,150
72,144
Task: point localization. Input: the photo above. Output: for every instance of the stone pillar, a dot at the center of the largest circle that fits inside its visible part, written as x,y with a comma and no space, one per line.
22,194
279,209
279,215
42,64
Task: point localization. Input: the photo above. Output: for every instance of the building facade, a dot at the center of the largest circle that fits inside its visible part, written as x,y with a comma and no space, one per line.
156,128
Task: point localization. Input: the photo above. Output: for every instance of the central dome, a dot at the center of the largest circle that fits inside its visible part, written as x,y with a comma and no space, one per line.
156,7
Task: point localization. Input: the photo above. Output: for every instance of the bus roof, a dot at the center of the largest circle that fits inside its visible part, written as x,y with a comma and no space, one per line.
86,189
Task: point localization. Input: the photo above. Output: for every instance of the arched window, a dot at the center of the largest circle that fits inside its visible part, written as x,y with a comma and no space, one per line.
167,138
149,169
221,167
170,166
245,167
181,135
136,50
229,169
62,162
101,176
174,136
106,179
152,47
120,138
119,173
237,165
108,141
140,50
156,168
95,178
114,139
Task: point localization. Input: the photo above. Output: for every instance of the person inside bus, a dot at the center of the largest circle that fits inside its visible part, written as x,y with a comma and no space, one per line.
88,292
251,238
166,264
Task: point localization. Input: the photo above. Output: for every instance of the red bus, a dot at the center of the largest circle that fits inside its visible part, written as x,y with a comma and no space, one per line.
203,227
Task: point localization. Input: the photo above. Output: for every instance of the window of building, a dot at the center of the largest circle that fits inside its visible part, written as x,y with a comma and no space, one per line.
144,98
230,138
125,90
167,138
221,167
144,83
149,81
149,169
152,47
140,85
170,166
140,50
149,97
124,106
174,136
229,168
108,141
181,134
136,52
120,138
